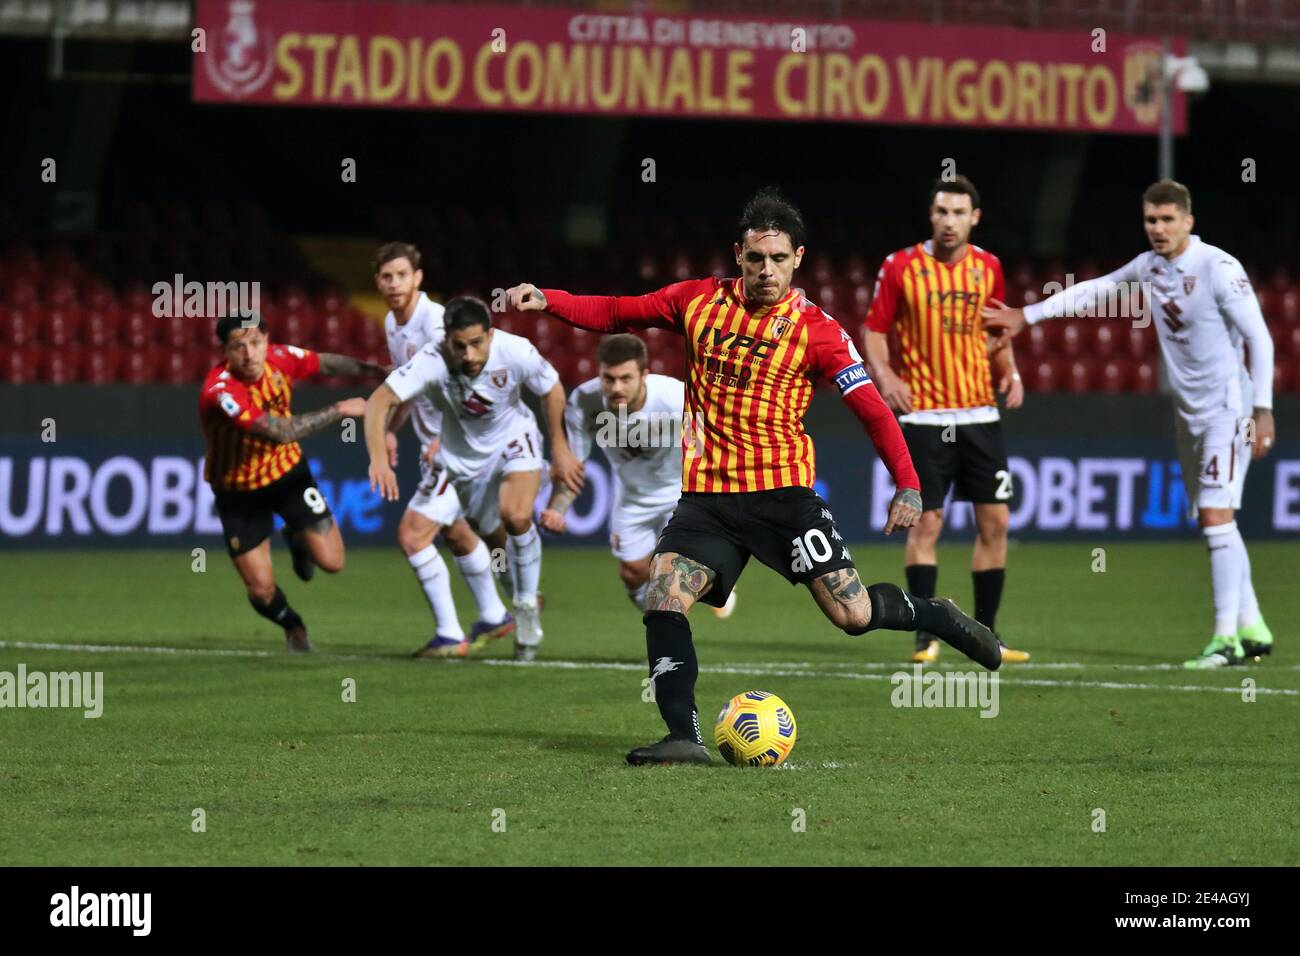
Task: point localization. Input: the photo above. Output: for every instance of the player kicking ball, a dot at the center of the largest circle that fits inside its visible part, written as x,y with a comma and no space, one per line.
635,418
756,348
414,321
489,464
1204,311
255,465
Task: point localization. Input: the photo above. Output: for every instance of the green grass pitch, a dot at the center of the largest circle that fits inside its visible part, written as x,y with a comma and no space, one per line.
431,755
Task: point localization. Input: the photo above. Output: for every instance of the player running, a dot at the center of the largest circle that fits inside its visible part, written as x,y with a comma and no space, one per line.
255,465
1205,311
933,292
414,321
755,349
489,464
635,418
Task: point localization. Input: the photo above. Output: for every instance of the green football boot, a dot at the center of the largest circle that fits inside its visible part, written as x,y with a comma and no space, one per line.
1224,650
1256,640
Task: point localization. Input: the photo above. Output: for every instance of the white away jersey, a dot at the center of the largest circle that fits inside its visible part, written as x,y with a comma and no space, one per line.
425,328
1204,309
482,414
644,447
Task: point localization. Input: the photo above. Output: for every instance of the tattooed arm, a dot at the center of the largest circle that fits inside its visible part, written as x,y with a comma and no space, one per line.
332,363
283,430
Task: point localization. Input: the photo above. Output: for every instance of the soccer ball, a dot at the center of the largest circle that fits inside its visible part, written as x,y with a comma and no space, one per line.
755,729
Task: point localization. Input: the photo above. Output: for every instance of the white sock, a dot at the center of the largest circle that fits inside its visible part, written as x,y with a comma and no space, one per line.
1227,558
637,595
1248,612
524,555
431,571
477,570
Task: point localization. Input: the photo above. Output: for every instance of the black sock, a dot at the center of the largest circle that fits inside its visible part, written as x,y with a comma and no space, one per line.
988,594
673,669
922,579
896,610
277,611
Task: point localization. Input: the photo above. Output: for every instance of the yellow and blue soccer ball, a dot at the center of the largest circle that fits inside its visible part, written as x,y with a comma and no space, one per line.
755,729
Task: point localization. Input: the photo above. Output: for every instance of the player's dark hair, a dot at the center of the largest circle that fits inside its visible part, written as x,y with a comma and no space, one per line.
228,323
396,250
769,209
1169,191
465,312
617,349
959,185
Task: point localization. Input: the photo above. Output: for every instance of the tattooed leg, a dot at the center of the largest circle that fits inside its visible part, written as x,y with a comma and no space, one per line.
843,599
676,583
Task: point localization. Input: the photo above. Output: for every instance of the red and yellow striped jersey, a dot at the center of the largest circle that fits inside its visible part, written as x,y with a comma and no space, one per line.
237,459
750,375
943,355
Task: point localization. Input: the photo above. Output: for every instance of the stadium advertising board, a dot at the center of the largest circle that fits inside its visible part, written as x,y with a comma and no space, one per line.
515,59
152,494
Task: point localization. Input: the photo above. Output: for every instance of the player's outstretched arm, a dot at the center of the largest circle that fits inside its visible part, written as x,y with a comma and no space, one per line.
379,409
609,313
283,430
331,363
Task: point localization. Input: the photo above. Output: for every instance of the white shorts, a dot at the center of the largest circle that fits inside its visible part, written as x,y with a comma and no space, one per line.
633,532
1214,457
444,495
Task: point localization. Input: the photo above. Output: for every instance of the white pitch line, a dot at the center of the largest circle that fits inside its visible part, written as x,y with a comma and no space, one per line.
747,670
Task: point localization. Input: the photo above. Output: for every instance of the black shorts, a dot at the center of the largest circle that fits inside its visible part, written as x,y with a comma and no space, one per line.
973,463
247,517
789,529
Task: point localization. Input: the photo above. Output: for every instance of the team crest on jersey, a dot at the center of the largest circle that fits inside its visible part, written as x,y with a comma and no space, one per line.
780,326
500,377
411,349
1189,283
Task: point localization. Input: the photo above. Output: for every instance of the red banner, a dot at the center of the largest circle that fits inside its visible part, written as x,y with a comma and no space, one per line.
515,59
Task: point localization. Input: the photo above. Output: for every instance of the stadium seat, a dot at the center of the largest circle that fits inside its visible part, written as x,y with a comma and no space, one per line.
1289,307
1106,338
139,330
1045,375
1075,337
1141,342
60,367
1082,376
102,366
1145,377
101,327
21,366
19,328
141,366
1116,376
1037,341
59,328
1286,339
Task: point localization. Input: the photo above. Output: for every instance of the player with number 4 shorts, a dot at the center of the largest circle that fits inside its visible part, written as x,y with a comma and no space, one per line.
1218,358
255,465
